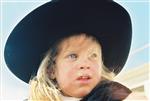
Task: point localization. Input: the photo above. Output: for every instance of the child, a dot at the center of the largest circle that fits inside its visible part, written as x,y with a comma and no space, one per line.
88,44
75,71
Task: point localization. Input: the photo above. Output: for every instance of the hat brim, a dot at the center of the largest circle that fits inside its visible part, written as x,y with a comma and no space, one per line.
31,38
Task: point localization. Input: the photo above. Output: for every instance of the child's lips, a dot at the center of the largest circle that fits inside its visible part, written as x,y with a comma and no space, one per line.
85,79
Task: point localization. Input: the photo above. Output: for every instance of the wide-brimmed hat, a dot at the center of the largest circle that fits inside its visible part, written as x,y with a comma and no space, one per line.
106,20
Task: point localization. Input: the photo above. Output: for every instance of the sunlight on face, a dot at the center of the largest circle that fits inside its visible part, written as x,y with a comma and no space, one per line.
78,65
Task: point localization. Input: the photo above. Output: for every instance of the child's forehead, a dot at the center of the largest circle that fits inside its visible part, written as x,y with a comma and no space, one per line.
79,42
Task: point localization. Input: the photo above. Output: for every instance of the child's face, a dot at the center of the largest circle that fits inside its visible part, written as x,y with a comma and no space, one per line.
78,66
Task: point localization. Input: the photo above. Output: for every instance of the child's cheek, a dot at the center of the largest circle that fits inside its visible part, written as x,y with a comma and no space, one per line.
69,69
96,67
96,71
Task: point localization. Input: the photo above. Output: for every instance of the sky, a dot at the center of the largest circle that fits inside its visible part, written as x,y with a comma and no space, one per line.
13,89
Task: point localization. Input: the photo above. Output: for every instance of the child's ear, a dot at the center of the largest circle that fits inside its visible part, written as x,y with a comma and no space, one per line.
51,73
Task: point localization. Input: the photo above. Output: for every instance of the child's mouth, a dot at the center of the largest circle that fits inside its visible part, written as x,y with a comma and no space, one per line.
84,79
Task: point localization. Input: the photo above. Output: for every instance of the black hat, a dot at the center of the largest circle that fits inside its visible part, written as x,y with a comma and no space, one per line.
104,19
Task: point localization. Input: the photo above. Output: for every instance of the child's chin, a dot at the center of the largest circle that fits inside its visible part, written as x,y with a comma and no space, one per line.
82,93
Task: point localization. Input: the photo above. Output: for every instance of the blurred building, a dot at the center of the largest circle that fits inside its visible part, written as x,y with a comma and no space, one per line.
137,79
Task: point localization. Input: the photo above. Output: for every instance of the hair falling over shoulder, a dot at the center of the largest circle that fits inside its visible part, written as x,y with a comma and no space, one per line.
41,87
40,91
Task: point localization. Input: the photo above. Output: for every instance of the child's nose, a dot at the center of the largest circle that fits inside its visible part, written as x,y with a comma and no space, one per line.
84,67
85,64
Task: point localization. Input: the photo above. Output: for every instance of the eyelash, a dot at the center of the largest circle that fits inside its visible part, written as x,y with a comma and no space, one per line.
72,56
94,55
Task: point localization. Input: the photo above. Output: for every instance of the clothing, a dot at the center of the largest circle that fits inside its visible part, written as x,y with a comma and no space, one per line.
108,91
65,98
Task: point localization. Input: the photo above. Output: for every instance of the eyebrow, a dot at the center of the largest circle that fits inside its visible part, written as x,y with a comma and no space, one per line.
75,51
69,51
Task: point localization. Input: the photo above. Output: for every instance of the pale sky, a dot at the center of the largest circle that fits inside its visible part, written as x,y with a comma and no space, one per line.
13,89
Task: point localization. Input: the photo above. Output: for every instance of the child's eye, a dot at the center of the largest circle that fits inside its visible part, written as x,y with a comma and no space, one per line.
94,55
72,56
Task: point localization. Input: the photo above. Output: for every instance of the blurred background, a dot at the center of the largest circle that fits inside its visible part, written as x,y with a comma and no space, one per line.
135,74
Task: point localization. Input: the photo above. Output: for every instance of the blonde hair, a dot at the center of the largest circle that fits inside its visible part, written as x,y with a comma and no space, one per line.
43,88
